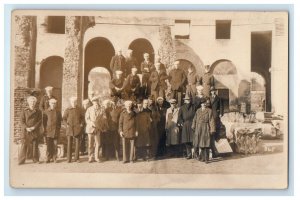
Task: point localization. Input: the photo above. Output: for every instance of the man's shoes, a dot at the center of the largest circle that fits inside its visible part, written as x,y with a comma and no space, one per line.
188,157
124,162
78,161
69,161
48,161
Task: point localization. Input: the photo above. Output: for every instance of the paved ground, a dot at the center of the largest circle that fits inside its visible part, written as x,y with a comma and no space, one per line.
267,163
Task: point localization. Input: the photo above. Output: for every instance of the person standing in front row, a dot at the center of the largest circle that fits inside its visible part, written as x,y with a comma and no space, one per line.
203,126
92,117
31,119
74,121
172,130
177,79
52,123
185,119
128,132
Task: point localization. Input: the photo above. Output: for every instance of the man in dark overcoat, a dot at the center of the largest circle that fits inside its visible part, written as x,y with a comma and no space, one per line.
162,110
31,119
132,85
116,84
216,105
177,79
185,118
154,131
52,123
128,132
118,62
158,82
74,121
144,122
146,68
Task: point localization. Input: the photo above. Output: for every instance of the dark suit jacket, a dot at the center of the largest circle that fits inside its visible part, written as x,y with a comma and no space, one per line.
216,106
74,121
52,123
127,124
158,80
44,103
177,79
132,82
31,118
148,65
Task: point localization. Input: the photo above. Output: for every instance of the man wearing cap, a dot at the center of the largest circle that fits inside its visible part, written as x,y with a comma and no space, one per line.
44,103
132,85
193,80
158,82
116,84
130,62
93,129
203,126
118,62
207,81
172,130
216,105
74,122
128,132
52,123
185,118
177,79
162,110
30,123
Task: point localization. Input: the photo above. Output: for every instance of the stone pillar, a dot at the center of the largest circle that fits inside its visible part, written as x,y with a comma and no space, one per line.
167,50
24,50
72,71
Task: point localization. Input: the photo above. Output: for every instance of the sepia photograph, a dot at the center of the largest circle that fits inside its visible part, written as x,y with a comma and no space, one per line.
149,99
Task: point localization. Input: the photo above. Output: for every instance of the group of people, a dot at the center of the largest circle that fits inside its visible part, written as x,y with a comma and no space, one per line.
138,116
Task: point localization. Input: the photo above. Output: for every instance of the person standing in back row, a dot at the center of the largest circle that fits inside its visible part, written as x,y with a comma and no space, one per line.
207,81
177,79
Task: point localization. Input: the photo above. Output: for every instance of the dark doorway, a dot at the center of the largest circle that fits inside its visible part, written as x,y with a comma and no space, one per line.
261,51
51,74
98,53
139,47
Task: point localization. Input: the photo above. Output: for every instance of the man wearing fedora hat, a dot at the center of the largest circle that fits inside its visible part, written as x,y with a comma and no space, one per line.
185,118
216,105
207,81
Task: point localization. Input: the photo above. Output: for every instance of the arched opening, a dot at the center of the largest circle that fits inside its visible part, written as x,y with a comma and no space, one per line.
139,47
225,75
185,64
98,83
98,52
51,74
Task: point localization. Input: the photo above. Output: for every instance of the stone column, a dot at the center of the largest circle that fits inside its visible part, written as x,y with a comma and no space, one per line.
167,50
24,50
72,71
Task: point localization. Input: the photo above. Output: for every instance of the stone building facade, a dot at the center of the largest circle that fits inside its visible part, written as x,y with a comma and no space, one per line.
247,51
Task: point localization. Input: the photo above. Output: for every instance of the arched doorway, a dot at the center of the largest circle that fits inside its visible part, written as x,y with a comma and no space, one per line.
139,47
51,74
226,83
98,83
98,52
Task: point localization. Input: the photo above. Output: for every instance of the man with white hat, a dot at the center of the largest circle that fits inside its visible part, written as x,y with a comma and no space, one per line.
131,62
118,62
30,123
128,132
132,85
52,123
116,84
177,80
74,122
44,103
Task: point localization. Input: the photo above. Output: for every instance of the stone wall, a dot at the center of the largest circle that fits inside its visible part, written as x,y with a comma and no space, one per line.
24,50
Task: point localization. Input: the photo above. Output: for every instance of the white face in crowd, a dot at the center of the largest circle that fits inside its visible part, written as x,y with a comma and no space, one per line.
173,105
145,103
203,105
31,103
160,102
49,92
95,104
200,91
190,70
119,52
134,72
146,57
128,106
176,65
52,105
73,103
213,93
118,76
